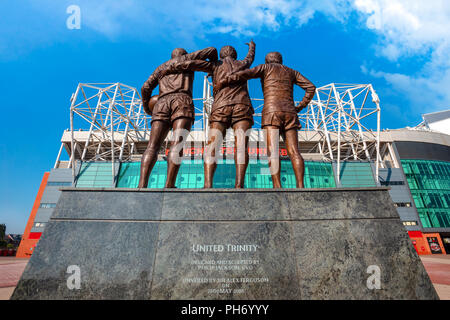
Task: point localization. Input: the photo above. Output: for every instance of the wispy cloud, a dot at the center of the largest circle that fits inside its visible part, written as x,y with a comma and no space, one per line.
405,29
413,28
236,17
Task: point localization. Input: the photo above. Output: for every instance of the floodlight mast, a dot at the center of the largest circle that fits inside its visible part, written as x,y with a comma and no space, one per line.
335,123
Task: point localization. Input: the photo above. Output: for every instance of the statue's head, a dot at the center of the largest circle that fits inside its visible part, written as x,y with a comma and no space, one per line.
178,52
228,51
274,57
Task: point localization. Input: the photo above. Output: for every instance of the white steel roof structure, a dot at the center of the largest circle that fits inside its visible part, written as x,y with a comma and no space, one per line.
107,122
438,121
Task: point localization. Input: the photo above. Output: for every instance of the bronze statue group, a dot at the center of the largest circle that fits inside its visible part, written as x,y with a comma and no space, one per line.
173,109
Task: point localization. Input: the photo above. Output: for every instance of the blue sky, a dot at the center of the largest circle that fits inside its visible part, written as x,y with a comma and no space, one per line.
401,47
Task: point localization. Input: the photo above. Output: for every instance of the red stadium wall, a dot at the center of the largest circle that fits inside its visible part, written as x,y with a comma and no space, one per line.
421,242
30,239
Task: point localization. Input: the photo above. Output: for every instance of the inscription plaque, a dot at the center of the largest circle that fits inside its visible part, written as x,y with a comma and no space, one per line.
245,261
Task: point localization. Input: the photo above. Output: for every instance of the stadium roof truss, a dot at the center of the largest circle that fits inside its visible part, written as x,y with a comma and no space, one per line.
342,114
107,122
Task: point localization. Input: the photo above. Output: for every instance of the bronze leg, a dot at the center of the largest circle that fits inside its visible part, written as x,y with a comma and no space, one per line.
291,140
158,133
241,142
272,140
210,165
181,127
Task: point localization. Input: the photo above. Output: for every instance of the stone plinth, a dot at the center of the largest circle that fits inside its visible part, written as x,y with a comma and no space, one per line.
225,244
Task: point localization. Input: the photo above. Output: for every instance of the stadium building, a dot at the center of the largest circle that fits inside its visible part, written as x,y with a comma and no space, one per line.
109,132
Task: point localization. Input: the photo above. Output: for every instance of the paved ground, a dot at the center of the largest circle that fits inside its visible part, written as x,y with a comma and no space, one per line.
5,293
437,266
11,269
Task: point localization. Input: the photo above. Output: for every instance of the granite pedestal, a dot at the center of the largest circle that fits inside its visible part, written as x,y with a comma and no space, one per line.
225,244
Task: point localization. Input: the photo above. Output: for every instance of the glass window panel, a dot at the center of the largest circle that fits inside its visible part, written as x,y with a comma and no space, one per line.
429,182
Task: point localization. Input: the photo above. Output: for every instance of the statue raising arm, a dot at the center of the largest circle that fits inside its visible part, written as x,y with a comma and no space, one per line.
248,60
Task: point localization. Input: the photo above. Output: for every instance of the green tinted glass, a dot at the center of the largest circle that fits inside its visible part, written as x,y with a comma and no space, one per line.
357,174
95,175
317,175
429,182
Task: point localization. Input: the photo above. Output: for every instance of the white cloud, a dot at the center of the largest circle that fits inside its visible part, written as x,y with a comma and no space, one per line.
427,92
414,28
405,28
233,16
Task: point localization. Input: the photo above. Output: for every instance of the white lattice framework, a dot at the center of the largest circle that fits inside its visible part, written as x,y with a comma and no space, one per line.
338,120
108,109
343,114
